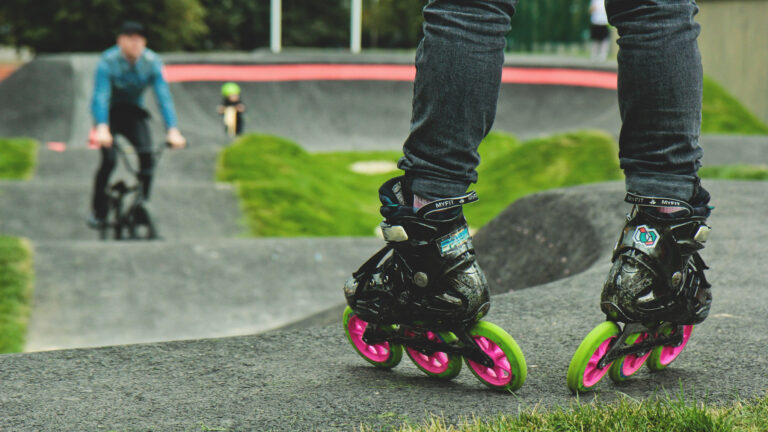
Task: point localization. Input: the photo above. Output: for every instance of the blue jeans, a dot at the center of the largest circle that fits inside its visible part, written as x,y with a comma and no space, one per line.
458,77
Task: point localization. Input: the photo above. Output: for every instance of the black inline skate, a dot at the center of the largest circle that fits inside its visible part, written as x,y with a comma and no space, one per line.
656,287
425,291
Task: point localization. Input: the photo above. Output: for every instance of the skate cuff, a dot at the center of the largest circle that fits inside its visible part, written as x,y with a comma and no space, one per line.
446,204
658,202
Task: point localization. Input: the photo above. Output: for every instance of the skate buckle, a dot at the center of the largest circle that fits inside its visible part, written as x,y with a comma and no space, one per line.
393,233
702,234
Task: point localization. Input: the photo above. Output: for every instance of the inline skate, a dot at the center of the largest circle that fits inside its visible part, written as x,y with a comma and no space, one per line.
425,293
656,287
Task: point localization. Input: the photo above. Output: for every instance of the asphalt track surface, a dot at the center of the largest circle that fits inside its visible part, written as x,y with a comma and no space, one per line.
307,377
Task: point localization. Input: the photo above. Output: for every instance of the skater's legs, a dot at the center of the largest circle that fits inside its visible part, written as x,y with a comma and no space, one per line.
458,75
99,198
660,96
132,124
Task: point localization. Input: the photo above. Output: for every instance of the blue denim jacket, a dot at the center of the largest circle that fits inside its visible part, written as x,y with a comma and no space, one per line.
119,81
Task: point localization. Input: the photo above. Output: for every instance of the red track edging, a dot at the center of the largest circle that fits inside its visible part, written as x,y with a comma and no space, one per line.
364,72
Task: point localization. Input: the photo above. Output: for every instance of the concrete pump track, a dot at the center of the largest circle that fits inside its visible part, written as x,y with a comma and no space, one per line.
208,328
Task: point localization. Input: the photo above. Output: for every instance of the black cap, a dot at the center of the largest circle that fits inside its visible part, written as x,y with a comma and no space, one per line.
132,27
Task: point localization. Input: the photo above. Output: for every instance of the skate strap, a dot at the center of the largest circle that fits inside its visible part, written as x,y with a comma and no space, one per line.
446,204
657,202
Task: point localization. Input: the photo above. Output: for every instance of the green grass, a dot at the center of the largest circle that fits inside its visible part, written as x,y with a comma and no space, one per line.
18,157
17,161
735,172
724,114
625,415
286,191
511,170
16,281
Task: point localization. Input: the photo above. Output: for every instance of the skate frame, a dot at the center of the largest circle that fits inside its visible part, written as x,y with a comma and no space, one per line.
467,347
618,348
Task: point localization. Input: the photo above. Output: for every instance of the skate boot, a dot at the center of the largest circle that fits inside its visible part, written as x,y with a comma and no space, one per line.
656,286
425,290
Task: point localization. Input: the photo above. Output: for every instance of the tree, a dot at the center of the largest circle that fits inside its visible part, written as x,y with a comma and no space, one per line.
91,25
392,23
236,24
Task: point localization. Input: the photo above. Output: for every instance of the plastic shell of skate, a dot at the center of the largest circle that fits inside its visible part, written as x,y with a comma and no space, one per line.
508,372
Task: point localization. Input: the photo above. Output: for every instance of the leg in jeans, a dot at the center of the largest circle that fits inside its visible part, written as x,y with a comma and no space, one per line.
432,274
132,124
657,273
458,75
141,141
660,96
99,200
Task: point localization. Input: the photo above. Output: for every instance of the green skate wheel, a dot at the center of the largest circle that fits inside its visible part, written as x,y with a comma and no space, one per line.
509,370
583,373
441,365
383,355
662,356
626,366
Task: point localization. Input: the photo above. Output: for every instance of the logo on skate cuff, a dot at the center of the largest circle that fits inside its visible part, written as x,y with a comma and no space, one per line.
646,236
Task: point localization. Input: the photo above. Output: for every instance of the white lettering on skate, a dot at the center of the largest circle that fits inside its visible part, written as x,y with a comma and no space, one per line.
670,203
441,204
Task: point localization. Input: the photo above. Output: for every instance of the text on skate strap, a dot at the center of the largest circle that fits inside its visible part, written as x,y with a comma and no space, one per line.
656,202
447,203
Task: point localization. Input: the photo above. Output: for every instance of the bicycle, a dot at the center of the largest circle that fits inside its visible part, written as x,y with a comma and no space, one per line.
133,219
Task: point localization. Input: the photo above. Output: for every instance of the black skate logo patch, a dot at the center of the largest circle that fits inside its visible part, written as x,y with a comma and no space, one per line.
646,236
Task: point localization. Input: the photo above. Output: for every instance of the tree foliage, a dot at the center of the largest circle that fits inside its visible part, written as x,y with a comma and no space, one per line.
91,25
392,23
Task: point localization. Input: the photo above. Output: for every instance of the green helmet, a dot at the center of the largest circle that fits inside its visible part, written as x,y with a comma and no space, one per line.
229,89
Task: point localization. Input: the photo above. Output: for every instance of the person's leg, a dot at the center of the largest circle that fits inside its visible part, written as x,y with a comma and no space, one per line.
660,97
137,133
458,75
432,274
657,273
605,45
99,200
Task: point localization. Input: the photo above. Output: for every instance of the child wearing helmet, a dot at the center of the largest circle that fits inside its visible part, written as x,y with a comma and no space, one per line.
230,93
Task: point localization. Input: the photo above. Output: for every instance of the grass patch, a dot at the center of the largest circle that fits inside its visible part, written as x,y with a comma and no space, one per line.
735,172
511,170
661,414
16,281
286,191
18,157
724,114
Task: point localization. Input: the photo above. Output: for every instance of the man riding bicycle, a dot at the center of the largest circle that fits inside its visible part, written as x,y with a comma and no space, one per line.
123,73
